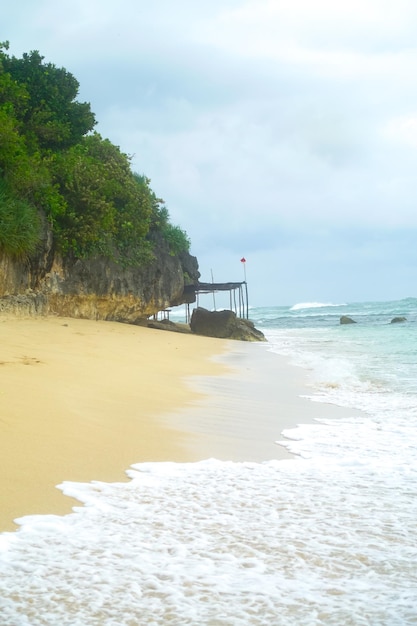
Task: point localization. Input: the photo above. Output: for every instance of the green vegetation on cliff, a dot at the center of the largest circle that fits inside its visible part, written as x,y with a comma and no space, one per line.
53,164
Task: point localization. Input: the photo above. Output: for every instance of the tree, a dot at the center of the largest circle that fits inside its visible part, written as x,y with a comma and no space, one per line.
53,119
107,210
51,161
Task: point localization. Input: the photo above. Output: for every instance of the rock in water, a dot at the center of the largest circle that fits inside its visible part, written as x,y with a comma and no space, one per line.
345,319
398,320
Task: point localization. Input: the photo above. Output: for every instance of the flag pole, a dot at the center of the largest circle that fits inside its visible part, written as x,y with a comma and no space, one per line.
243,261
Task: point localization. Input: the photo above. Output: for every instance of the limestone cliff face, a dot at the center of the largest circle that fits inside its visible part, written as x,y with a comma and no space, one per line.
96,288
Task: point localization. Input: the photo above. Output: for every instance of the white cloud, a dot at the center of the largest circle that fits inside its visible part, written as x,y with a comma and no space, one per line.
272,28
287,128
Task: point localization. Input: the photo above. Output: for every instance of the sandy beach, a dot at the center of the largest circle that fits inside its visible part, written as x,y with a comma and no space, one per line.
79,400
82,400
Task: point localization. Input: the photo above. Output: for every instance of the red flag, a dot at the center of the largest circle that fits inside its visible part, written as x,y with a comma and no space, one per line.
243,260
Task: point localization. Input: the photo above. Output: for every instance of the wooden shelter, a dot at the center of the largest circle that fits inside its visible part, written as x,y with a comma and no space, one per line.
238,295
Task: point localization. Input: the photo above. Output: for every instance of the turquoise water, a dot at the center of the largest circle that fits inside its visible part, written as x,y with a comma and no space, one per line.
326,538
373,349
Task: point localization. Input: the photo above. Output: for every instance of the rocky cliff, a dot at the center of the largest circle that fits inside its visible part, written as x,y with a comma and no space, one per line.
97,288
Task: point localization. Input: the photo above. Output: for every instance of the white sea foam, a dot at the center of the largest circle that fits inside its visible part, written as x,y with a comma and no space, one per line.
290,542
312,305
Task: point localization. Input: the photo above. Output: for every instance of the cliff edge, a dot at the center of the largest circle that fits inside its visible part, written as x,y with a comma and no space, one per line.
96,288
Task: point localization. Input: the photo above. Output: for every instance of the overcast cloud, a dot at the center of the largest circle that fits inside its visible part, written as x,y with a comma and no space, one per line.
284,131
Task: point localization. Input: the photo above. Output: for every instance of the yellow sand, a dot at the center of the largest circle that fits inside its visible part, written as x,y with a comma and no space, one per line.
79,400
83,400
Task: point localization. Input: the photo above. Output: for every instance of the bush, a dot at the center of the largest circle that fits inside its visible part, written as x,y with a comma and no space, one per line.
20,227
176,238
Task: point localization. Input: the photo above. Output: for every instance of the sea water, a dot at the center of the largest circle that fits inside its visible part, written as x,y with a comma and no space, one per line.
328,537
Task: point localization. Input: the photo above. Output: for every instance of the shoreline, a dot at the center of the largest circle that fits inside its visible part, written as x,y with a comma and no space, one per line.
79,401
83,400
241,412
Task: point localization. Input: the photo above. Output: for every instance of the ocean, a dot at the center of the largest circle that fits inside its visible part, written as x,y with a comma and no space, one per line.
327,537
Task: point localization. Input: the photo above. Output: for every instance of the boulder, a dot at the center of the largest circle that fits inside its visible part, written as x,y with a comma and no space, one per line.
345,319
224,324
398,320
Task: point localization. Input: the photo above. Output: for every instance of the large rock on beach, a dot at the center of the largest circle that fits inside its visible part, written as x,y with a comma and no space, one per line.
224,324
398,320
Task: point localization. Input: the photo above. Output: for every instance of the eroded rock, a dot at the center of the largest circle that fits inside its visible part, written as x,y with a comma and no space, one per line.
96,288
224,325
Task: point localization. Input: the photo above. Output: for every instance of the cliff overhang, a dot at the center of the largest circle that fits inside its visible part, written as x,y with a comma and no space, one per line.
96,288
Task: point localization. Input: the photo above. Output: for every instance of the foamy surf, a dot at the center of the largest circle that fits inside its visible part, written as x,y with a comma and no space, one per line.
288,542
312,305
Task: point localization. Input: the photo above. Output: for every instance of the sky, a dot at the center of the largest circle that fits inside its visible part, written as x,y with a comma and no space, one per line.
279,131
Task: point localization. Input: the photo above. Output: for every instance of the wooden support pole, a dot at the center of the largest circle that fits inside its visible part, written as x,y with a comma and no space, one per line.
247,300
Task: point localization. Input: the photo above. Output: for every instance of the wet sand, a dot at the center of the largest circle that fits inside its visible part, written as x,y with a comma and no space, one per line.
243,410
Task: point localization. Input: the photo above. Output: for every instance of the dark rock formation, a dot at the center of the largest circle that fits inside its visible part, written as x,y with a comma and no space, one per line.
398,320
168,325
96,288
223,324
345,319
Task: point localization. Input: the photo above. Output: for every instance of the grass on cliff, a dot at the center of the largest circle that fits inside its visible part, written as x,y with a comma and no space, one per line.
20,228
